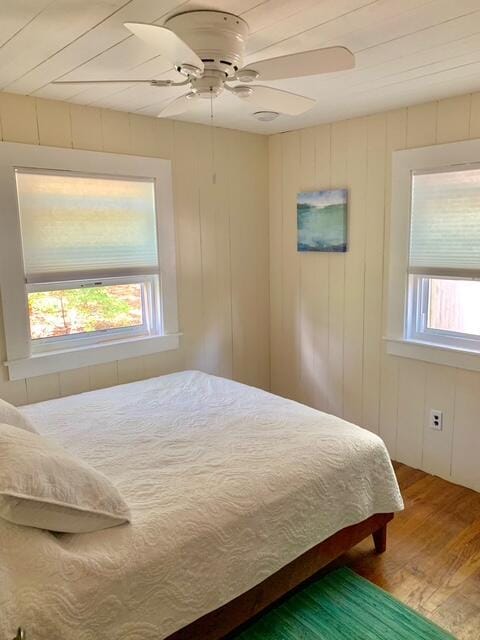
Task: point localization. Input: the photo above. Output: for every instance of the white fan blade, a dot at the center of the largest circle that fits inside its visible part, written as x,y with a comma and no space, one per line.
307,63
276,100
101,81
179,105
167,43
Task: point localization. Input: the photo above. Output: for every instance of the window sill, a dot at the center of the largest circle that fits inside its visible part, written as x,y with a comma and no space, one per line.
55,361
438,354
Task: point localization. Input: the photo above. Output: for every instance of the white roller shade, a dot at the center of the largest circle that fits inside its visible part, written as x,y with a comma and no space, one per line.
76,226
445,223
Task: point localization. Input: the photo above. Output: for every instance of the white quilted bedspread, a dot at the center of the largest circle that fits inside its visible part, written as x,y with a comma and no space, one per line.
226,484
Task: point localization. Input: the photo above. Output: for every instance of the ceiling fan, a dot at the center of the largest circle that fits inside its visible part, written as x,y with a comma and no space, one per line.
207,47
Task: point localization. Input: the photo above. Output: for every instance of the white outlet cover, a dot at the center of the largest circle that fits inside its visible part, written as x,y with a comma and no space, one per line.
436,419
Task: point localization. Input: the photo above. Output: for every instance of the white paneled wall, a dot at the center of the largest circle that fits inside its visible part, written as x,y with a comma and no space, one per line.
222,240
328,310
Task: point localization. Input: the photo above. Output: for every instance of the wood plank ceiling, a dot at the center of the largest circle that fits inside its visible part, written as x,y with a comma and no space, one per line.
407,51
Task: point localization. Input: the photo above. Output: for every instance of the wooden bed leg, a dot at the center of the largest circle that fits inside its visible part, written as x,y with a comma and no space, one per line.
380,539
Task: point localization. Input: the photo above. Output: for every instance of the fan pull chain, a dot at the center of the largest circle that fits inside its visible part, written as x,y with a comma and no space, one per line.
212,130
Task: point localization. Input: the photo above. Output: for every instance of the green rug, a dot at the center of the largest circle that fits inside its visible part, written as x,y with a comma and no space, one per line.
343,606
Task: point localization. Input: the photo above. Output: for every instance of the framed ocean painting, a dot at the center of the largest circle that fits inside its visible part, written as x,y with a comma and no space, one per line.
322,220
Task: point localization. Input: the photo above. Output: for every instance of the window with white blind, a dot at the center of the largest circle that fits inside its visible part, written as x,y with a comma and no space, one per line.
90,257
96,253
434,297
444,258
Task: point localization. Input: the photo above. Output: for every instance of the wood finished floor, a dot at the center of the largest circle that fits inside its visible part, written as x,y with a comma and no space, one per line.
432,562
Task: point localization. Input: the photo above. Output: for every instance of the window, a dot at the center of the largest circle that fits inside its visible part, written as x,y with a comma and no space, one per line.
434,279
444,258
445,311
90,258
95,311
87,258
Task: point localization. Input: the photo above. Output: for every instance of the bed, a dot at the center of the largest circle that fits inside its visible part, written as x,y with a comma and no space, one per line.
236,495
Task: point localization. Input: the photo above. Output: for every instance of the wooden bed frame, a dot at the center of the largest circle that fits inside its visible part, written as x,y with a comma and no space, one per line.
222,621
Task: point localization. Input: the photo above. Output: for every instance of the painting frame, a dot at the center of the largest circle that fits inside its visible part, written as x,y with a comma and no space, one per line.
322,221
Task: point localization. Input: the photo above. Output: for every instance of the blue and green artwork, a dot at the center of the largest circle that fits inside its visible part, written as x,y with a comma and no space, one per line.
322,220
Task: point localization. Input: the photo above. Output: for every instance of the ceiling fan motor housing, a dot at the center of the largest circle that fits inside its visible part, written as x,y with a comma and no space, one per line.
209,85
218,38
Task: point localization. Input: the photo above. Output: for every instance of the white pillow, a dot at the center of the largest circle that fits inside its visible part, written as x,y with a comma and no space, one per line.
43,486
11,415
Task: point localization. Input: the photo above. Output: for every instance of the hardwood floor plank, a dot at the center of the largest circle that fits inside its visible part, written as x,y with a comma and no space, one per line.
459,616
432,562
407,476
460,562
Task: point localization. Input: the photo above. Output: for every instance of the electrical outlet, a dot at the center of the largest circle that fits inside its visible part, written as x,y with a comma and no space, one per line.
436,419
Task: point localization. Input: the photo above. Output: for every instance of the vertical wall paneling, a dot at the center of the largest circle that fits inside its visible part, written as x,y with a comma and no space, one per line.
374,246
474,124
439,395
54,123
333,356
275,190
422,125
74,381
410,412
261,334
189,261
221,229
131,370
466,431
309,293
396,138
19,118
103,375
249,256
210,219
336,278
453,119
321,377
86,127
290,264
43,387
353,321
115,131
204,139
143,139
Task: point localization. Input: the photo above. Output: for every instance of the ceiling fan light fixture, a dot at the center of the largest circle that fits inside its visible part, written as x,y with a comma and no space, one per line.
242,91
266,116
189,70
247,75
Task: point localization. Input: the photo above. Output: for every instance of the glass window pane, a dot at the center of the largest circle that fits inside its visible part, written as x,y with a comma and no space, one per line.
454,305
75,311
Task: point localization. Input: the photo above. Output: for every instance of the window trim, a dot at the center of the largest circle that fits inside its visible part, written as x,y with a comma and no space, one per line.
21,362
448,157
